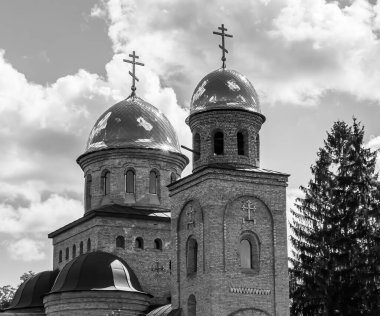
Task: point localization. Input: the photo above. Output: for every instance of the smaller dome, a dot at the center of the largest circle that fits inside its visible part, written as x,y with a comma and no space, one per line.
30,293
95,271
133,123
224,89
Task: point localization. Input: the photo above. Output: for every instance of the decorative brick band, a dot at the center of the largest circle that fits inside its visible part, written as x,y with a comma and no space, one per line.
245,290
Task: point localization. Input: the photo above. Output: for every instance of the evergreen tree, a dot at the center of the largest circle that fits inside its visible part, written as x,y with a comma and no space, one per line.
336,230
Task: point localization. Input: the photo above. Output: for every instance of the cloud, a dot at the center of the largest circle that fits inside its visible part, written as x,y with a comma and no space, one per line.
26,250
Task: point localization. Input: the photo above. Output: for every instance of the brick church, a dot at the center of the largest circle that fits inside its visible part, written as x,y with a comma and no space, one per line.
212,243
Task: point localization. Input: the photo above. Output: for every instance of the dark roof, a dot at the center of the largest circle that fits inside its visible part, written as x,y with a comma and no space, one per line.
118,211
30,293
165,310
95,271
224,89
133,123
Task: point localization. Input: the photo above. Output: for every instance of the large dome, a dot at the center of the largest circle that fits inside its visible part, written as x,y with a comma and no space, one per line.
224,89
96,271
133,123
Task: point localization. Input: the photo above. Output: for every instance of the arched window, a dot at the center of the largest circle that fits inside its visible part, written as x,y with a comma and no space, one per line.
249,253
173,178
88,245
158,244
106,175
130,181
88,192
153,182
196,147
191,256
120,242
218,143
81,247
60,256
139,243
242,144
74,251
191,306
257,146
67,253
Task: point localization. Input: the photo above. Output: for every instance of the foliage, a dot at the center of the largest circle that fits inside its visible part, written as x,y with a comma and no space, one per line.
336,230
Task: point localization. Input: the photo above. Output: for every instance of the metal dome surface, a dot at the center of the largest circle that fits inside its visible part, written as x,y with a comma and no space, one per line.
96,271
133,123
224,89
29,294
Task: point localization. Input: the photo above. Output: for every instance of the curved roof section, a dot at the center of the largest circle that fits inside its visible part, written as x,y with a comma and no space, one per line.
165,310
30,293
224,89
133,123
95,271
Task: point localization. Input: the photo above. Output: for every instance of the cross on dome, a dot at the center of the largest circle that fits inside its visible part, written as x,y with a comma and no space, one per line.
133,73
222,47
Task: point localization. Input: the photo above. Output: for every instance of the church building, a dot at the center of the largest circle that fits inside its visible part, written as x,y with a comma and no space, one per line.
150,242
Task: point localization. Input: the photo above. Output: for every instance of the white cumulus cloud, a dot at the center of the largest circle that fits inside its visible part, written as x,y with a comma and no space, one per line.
26,249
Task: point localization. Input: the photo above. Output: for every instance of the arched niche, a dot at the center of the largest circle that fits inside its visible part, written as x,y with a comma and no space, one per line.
249,312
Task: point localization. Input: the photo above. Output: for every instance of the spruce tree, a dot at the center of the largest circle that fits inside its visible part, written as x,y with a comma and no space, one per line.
335,232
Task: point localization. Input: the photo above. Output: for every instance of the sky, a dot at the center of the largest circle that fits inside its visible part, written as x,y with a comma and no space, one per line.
312,62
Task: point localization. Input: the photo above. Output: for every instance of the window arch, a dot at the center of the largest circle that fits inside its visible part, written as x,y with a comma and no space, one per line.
74,251
130,178
88,191
120,242
191,256
191,306
158,244
242,143
88,245
106,177
196,147
67,253
218,143
81,248
139,243
249,253
153,182
60,256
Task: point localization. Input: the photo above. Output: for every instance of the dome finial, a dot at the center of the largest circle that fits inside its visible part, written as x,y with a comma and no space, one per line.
133,75
224,50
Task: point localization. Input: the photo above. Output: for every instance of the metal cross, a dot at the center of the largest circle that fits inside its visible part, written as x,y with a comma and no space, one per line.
249,207
224,50
133,73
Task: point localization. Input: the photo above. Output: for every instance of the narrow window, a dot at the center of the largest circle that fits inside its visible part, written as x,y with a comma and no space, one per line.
106,182
153,182
257,146
88,245
60,256
81,248
158,244
191,306
74,251
88,191
218,143
196,147
130,181
242,143
192,254
245,254
139,243
120,242
173,178
67,253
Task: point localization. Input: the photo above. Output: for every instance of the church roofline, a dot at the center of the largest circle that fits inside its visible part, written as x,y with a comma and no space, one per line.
118,211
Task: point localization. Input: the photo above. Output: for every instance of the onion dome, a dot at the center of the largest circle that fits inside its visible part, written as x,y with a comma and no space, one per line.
133,123
96,271
28,296
224,89
165,310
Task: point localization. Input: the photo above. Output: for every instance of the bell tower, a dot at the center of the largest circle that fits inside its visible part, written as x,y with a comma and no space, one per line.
229,216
